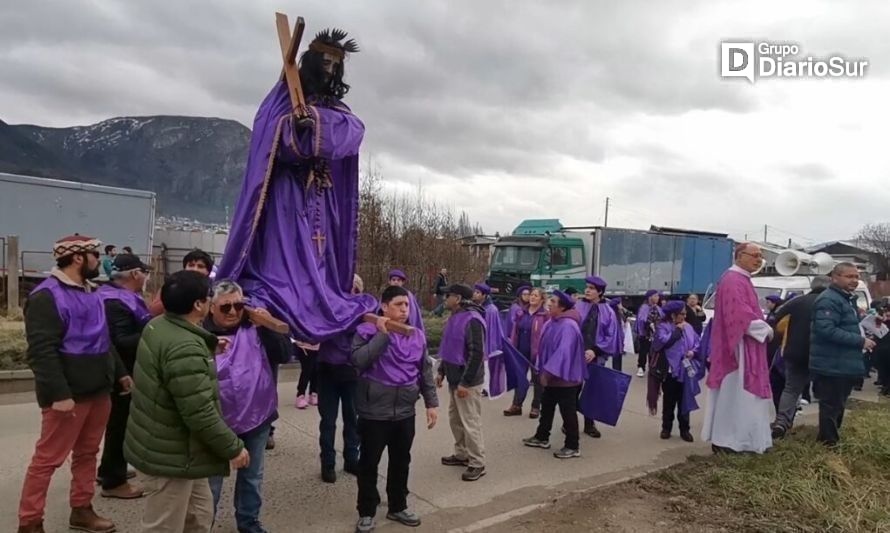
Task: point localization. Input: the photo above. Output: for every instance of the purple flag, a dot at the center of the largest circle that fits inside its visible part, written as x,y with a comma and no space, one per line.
603,395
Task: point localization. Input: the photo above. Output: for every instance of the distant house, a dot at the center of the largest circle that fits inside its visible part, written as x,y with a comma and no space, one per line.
868,261
480,245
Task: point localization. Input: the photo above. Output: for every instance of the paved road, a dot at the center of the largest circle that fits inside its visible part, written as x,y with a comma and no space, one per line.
518,478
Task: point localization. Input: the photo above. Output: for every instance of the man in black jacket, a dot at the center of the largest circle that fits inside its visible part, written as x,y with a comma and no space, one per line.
439,291
462,350
796,353
127,314
394,371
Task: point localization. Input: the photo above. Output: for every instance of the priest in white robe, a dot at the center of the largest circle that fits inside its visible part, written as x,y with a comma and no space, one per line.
740,406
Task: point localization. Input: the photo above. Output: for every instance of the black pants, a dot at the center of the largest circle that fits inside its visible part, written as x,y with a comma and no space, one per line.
616,362
833,394
777,385
643,356
336,391
673,401
567,400
308,371
396,436
113,468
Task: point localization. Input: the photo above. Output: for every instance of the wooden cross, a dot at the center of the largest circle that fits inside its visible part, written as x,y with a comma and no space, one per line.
319,239
290,43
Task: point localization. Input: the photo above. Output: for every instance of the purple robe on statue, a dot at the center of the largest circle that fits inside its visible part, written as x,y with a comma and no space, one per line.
292,246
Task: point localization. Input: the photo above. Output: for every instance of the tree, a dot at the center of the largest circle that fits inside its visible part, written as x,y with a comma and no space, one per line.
413,233
876,239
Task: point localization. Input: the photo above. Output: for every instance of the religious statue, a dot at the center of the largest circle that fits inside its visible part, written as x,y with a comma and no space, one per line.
292,243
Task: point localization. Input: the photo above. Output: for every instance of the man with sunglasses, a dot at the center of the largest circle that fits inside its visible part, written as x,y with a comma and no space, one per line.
739,408
126,314
248,393
74,368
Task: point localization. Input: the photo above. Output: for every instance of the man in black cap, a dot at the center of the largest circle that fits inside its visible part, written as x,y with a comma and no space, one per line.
462,351
127,314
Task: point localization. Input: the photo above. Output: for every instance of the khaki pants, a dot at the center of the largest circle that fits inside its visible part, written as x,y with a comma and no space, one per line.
465,417
174,505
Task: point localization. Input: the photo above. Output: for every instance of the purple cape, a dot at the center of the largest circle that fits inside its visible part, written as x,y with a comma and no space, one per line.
83,317
280,225
561,353
134,302
452,346
415,318
247,391
401,363
607,326
689,341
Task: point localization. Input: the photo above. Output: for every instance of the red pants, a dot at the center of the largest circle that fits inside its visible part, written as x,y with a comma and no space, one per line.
78,433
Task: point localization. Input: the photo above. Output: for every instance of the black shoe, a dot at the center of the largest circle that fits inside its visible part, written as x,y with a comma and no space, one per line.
453,460
328,475
406,518
857,388
351,468
665,435
473,473
592,431
778,432
686,436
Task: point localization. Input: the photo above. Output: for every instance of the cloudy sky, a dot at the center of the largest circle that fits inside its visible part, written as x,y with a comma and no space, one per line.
514,109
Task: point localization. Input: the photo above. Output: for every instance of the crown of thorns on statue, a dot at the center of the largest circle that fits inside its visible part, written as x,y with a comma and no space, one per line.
328,42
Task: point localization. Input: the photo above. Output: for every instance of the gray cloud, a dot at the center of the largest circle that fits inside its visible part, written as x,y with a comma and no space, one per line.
455,88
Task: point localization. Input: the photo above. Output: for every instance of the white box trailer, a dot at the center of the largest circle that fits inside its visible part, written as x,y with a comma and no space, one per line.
40,210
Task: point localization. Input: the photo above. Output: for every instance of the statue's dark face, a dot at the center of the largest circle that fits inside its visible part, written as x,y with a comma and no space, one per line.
329,64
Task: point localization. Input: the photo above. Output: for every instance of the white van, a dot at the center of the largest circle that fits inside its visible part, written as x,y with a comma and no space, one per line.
782,286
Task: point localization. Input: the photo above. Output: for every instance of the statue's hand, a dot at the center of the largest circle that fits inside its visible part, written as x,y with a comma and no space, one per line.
303,123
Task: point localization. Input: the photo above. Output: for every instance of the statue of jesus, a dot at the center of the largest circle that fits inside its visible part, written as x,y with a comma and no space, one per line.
292,243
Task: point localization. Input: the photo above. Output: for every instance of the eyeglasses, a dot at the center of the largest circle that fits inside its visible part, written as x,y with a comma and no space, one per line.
227,308
755,256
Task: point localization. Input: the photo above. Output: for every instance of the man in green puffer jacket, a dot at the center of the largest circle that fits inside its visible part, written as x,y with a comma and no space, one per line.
836,345
176,435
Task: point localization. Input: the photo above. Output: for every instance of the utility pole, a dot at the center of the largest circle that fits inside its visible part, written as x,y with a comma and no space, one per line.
765,227
606,219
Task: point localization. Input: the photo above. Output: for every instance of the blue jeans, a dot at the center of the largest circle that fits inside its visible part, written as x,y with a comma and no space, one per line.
248,483
333,394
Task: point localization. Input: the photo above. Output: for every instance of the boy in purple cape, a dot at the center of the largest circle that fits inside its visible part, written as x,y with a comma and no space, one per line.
398,278
679,358
127,314
599,328
462,350
247,391
561,366
394,371
292,245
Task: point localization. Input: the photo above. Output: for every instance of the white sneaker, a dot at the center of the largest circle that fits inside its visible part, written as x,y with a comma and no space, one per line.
640,372
804,402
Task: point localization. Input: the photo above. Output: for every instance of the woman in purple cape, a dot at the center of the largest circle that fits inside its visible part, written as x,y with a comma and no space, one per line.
679,366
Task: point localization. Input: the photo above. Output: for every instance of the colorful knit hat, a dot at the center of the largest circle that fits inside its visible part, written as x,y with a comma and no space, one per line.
75,244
